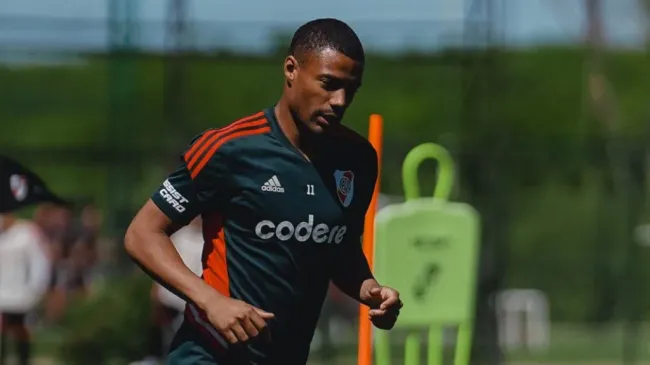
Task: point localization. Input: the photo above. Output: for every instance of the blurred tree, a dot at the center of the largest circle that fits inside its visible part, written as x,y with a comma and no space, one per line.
175,77
484,151
111,326
529,112
281,40
628,181
121,129
645,7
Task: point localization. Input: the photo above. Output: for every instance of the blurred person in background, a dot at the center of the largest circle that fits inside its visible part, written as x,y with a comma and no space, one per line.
25,261
168,308
55,222
74,245
25,270
80,255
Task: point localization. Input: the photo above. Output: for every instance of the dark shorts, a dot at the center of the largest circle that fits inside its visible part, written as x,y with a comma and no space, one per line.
190,347
165,315
13,320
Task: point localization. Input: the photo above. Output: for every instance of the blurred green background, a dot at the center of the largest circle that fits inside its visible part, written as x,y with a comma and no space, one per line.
551,145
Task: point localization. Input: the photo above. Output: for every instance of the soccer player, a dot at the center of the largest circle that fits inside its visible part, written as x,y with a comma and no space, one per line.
282,194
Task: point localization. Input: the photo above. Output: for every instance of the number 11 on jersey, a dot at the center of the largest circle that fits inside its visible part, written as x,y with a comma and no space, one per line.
310,189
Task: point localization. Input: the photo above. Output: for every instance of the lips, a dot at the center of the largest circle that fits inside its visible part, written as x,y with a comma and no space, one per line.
330,118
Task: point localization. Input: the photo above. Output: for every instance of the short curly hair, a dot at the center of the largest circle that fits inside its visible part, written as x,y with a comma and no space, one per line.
326,33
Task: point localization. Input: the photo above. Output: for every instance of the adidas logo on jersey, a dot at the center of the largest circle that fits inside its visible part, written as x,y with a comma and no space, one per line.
273,185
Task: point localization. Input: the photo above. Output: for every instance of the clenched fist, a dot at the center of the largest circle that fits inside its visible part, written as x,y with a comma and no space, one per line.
237,321
384,305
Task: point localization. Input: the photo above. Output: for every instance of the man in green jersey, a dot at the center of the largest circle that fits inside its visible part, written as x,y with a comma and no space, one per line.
282,194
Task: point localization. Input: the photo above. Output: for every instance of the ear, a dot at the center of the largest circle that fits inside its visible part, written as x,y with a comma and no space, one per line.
290,68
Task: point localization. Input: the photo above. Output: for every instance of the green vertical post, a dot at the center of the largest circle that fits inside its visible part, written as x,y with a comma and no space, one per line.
122,160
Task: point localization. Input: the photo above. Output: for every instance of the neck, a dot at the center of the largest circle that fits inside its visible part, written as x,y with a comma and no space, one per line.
295,131
288,124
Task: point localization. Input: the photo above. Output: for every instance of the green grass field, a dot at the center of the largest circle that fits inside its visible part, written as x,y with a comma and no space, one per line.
582,344
571,344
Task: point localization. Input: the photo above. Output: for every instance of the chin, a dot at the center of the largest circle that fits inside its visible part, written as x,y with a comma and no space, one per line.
317,128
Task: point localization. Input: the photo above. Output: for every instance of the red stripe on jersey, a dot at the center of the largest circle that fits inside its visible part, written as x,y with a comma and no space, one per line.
247,129
191,153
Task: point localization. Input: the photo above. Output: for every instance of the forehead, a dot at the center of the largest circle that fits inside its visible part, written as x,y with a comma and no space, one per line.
332,62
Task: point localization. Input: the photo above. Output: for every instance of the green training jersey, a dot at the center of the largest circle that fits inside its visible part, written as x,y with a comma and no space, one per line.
277,227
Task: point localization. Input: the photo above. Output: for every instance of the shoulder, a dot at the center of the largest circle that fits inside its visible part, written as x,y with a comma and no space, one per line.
215,144
357,157
357,148
219,139
355,142
28,232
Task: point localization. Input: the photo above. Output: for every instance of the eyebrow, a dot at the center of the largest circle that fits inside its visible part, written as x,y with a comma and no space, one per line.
337,78
328,76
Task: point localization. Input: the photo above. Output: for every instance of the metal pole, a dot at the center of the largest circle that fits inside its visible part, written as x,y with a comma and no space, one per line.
122,163
488,191
175,80
627,185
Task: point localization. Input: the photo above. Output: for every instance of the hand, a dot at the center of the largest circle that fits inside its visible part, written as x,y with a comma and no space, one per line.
384,305
237,321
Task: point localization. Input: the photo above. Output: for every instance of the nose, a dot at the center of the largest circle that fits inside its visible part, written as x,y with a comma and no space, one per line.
338,98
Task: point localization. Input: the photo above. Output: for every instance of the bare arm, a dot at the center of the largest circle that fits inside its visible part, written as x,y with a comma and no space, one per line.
352,275
147,242
192,189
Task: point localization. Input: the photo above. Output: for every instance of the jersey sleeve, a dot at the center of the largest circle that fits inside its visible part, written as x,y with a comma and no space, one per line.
367,182
200,183
351,268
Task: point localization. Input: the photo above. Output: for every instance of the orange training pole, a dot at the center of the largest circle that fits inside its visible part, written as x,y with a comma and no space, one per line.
375,136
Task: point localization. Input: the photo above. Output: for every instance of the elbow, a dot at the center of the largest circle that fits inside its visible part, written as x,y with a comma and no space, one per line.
138,240
131,241
144,232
